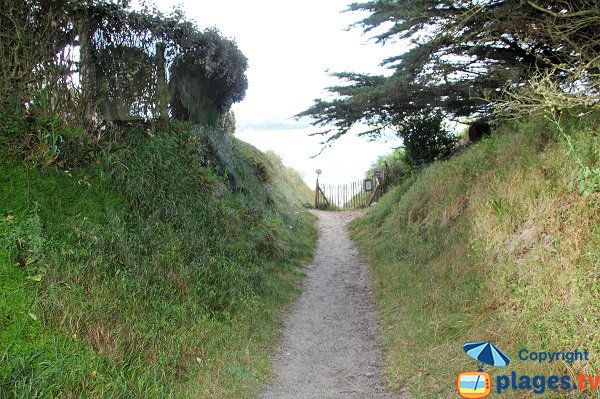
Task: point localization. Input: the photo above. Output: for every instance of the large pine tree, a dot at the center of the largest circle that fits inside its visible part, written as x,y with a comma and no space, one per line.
460,53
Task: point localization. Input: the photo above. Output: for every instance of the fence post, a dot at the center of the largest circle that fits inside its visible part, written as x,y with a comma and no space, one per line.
317,194
162,91
352,195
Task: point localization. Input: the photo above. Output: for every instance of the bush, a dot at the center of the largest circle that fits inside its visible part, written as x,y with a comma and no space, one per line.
478,129
425,138
397,166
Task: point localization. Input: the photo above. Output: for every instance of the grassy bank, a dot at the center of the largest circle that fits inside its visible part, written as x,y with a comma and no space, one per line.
495,244
158,271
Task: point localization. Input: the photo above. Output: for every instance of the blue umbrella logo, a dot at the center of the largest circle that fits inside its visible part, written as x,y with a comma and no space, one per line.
477,384
486,352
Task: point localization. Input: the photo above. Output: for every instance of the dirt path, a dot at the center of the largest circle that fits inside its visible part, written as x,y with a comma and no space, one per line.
330,349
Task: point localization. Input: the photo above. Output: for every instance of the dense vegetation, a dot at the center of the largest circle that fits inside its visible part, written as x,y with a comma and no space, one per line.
94,61
144,251
498,243
149,275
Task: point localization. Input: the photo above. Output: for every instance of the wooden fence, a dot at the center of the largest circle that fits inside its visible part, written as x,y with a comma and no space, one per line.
355,195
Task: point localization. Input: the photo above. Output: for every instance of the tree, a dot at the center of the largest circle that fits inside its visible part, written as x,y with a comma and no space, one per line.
462,54
97,59
572,81
31,33
207,79
124,75
425,138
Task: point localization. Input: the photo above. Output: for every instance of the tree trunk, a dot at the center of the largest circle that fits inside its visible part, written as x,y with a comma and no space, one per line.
163,93
87,69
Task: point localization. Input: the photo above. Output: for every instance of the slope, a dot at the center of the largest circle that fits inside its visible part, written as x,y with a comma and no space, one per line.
149,273
500,243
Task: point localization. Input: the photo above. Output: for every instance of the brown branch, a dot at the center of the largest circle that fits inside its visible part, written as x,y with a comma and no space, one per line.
565,15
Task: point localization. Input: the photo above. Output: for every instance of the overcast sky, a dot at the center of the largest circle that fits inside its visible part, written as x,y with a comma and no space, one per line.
290,45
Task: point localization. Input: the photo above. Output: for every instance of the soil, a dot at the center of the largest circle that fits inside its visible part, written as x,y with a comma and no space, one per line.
330,347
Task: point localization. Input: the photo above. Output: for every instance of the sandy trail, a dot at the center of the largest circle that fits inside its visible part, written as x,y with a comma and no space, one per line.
330,347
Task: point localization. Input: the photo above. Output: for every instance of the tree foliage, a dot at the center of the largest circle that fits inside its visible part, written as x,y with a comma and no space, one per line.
569,81
99,59
208,79
425,138
31,34
124,75
461,57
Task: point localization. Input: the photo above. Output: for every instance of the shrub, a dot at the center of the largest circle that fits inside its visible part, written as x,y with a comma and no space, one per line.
425,138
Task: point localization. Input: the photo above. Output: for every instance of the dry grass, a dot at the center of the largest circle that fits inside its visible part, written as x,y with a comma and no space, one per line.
490,245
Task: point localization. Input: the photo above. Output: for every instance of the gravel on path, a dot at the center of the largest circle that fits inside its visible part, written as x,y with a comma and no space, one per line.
330,348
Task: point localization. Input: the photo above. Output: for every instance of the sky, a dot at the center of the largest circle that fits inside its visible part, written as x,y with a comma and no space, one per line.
292,46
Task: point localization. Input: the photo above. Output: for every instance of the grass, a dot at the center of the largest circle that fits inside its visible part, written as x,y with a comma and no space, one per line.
147,274
490,245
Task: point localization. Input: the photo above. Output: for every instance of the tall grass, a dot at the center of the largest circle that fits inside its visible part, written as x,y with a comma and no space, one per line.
148,275
490,245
